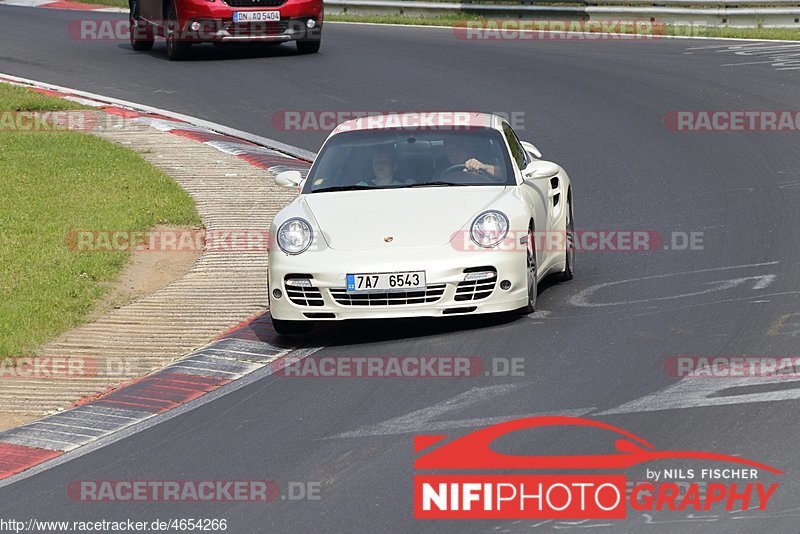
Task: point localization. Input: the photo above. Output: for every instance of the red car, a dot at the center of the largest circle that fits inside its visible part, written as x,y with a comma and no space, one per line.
186,22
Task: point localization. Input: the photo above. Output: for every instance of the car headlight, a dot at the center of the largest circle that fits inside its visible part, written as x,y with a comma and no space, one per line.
295,236
489,228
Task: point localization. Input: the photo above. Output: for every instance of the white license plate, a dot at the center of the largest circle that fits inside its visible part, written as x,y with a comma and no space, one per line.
358,283
256,16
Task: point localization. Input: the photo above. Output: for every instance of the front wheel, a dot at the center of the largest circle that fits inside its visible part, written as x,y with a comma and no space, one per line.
142,37
292,328
533,280
569,264
177,47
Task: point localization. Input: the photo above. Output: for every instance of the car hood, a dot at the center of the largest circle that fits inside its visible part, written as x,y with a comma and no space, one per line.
418,217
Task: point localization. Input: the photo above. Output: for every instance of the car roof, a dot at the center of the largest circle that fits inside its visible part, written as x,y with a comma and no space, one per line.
423,119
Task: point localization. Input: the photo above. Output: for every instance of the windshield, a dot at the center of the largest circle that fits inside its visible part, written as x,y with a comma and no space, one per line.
384,159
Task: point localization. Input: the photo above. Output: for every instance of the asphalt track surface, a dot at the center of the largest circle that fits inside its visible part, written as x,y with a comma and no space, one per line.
595,107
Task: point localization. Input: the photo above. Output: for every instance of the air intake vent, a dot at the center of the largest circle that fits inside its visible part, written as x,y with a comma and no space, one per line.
431,293
300,291
478,283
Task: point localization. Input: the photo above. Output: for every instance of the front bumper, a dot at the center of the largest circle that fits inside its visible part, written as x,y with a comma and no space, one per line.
226,31
217,25
225,36
444,268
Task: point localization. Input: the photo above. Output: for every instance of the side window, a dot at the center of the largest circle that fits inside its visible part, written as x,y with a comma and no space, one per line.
525,154
517,152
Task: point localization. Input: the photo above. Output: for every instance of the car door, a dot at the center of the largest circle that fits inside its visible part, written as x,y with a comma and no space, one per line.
534,191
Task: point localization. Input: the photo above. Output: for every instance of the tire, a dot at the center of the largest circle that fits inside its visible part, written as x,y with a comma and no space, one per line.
569,266
177,48
308,46
292,328
530,267
141,39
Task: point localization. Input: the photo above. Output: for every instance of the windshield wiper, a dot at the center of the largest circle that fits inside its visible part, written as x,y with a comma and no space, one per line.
433,184
343,188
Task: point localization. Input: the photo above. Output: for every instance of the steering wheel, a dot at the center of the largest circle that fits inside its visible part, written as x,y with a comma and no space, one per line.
460,167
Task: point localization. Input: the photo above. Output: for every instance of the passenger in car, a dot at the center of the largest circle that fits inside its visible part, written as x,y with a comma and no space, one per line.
384,166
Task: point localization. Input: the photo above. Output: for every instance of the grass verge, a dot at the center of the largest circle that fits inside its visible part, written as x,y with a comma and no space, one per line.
110,3
53,183
689,31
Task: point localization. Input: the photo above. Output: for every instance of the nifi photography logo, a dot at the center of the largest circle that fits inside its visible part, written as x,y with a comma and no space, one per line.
493,485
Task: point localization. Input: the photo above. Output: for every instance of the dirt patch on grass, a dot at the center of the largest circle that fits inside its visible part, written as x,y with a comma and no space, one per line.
145,273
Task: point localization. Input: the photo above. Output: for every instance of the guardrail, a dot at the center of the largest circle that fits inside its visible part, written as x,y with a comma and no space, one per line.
731,13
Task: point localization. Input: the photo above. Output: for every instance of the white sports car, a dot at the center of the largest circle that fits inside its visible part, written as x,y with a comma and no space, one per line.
418,215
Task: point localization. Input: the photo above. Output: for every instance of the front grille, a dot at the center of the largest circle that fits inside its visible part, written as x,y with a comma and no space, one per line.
255,3
302,295
432,293
256,28
305,296
475,289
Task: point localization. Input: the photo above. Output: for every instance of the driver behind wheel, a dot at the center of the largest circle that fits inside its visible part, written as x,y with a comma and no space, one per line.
462,151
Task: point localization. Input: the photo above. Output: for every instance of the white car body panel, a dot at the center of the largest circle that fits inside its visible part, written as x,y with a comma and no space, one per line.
405,214
416,229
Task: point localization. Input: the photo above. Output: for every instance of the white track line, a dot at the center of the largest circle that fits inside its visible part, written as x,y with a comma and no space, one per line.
593,34
156,419
278,146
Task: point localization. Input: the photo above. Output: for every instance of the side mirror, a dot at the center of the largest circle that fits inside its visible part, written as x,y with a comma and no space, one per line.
289,179
541,169
531,149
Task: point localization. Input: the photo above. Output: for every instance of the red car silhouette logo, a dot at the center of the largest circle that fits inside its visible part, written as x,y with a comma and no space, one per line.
473,451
